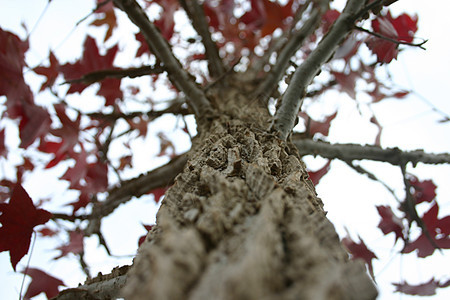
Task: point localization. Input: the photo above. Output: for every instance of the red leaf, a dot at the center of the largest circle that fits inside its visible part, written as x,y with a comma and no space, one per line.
314,127
68,133
165,145
142,238
108,18
424,191
35,121
390,222
158,193
360,250
317,175
347,82
74,246
41,282
50,72
438,230
18,219
143,48
90,62
328,18
424,289
82,201
47,232
405,26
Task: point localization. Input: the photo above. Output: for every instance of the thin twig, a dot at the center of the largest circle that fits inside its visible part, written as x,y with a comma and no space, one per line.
391,39
195,12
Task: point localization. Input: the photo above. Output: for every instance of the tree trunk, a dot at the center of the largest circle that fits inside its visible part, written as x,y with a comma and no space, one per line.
242,221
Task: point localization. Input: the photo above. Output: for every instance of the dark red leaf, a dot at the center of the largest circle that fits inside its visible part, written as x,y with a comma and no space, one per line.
424,191
166,144
18,218
360,250
347,82
158,193
51,72
41,282
424,289
108,18
74,246
82,201
47,232
143,48
317,175
328,19
314,127
390,222
142,238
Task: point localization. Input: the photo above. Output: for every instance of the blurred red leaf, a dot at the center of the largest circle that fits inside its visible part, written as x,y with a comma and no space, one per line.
18,218
166,22
390,222
424,191
360,250
317,175
328,18
347,82
143,48
438,229
424,289
125,161
90,62
158,193
166,144
41,282
142,238
314,127
108,18
51,72
47,232
74,246
401,28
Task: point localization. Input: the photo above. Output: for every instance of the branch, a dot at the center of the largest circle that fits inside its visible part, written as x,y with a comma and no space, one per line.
195,12
391,39
349,152
117,73
292,99
180,78
136,187
295,41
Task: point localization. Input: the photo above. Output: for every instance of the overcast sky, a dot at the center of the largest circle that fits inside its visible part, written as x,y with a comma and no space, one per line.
350,198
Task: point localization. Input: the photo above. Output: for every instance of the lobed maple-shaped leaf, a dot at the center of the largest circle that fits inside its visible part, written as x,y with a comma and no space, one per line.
18,218
424,289
317,175
68,133
74,246
401,28
314,127
51,72
438,229
360,250
34,120
90,62
108,18
390,222
41,282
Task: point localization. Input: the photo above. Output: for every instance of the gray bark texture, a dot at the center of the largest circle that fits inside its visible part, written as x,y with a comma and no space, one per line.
242,221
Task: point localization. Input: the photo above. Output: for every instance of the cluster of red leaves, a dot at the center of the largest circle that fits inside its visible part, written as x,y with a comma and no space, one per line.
437,229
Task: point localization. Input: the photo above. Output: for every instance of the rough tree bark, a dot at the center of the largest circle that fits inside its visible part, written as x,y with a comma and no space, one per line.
242,220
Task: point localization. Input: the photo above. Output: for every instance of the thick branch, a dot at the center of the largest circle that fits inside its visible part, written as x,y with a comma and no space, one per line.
160,177
293,97
181,79
198,18
349,152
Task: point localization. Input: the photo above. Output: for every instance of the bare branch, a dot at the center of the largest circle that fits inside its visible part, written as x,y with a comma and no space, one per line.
181,79
350,152
295,41
293,97
159,177
195,12
117,73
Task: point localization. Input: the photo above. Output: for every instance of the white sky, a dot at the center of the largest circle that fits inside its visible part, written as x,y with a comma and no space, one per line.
349,197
